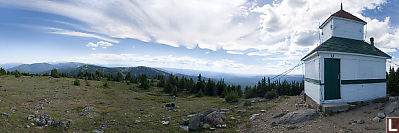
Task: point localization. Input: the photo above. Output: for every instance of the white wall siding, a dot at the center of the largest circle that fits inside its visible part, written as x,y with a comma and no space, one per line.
360,92
313,91
326,32
347,29
312,68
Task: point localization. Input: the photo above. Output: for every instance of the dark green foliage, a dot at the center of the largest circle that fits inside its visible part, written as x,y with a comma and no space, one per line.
2,71
281,88
54,73
393,82
144,82
271,94
76,82
16,73
119,77
128,76
105,84
232,96
200,93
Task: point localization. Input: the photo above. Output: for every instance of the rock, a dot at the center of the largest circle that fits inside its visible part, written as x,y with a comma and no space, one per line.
224,110
210,110
219,126
170,105
13,109
212,129
251,107
241,111
5,114
390,107
88,108
185,121
247,103
191,115
289,127
86,114
174,97
381,115
39,127
233,118
359,121
195,122
273,124
136,121
224,126
298,116
165,122
253,117
65,123
206,126
215,118
40,122
263,111
278,115
376,119
97,131
39,106
185,128
27,126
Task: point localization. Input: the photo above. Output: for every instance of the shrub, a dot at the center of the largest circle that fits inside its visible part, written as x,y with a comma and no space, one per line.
232,96
105,84
200,94
76,82
271,94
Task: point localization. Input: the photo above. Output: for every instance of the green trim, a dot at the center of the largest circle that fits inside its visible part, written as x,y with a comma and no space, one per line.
314,81
363,81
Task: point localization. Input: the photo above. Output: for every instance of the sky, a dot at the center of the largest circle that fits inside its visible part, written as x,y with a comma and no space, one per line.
250,37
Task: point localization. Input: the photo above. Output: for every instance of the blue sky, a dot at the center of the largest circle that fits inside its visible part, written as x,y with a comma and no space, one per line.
242,37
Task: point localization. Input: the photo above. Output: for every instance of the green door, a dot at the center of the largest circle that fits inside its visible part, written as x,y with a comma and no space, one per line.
331,79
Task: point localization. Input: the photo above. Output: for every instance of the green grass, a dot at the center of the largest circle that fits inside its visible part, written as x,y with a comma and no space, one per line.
115,102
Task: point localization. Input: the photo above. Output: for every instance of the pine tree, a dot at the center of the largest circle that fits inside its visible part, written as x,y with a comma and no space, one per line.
119,77
54,73
128,76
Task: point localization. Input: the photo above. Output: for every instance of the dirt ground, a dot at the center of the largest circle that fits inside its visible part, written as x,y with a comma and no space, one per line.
327,123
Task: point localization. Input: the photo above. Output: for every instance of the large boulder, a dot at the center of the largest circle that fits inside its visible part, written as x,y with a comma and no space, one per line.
298,116
215,118
195,122
390,107
210,110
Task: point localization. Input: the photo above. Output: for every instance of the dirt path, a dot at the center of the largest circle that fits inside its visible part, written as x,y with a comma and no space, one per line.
341,122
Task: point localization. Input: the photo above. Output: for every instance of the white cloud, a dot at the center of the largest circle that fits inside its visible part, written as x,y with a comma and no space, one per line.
286,27
78,34
103,44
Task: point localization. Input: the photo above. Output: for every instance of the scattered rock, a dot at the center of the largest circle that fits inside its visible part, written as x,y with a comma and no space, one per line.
39,106
298,116
206,126
251,107
185,121
165,122
174,97
263,111
39,127
253,117
224,110
278,115
381,115
133,90
185,128
247,103
212,129
195,122
390,107
170,105
97,131
273,124
13,109
191,115
289,127
210,110
241,111
136,121
86,114
359,121
215,118
233,118
224,126
27,126
376,119
88,108
5,114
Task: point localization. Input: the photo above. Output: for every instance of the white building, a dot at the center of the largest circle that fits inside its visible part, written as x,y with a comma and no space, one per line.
344,68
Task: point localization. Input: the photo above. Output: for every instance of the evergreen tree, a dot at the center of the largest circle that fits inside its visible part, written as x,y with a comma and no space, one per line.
54,73
128,76
119,77
144,83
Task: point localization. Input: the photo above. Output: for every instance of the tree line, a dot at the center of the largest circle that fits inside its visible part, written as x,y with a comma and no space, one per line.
176,85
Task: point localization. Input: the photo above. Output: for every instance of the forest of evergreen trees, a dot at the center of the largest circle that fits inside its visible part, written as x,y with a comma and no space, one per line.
393,81
175,85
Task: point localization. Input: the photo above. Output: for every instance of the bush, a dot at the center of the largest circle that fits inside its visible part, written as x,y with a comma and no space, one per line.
231,96
271,94
76,82
105,84
200,94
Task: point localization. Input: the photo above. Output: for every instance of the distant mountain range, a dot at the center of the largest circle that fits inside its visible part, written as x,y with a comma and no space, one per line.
74,68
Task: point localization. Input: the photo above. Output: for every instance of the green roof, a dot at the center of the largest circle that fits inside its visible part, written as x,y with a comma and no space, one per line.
338,44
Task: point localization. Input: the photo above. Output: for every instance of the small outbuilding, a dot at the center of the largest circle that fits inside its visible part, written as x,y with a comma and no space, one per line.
344,68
